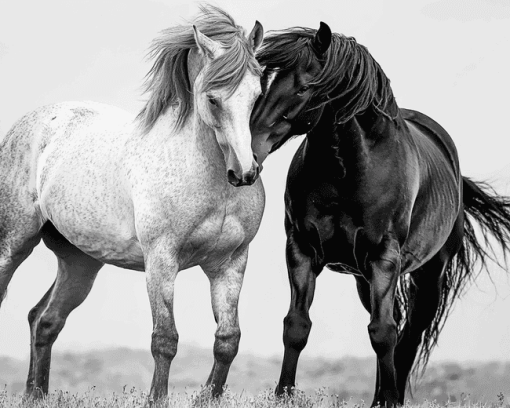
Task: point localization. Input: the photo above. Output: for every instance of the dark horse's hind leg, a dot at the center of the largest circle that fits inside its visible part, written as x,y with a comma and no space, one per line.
75,276
425,294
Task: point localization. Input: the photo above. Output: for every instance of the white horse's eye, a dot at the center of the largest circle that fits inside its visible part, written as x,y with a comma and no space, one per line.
212,100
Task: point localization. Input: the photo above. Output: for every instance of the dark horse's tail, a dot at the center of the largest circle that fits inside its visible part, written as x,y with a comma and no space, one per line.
491,212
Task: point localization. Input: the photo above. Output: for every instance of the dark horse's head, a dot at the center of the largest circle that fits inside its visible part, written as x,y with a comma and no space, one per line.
307,70
289,106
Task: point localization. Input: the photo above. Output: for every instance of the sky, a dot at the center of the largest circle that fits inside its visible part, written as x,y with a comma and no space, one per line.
449,59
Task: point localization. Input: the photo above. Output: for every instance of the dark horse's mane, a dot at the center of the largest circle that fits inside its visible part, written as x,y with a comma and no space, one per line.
350,75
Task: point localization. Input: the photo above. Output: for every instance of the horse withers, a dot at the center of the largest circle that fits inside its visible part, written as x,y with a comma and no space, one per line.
375,191
160,193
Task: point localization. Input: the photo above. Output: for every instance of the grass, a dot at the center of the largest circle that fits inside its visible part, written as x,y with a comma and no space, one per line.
112,378
111,372
202,399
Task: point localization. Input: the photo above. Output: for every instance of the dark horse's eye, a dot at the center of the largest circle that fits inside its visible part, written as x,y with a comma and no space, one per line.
303,90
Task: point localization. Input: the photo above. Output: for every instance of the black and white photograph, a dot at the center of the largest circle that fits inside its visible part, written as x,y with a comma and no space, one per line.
254,203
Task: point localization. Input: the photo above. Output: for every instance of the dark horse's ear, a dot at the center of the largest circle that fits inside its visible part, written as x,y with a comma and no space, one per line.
322,39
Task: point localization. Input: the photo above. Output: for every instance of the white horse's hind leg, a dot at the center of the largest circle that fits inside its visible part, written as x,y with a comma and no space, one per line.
19,234
11,257
226,282
20,220
75,277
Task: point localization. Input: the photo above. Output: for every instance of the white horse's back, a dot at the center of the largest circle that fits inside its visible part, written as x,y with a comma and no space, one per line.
70,171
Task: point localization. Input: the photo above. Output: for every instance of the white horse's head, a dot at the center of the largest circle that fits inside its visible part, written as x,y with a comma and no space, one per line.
226,86
209,71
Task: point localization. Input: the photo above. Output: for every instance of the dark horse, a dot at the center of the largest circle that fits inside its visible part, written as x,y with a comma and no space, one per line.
375,191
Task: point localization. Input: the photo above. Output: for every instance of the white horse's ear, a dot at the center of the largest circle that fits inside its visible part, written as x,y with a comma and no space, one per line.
256,36
207,47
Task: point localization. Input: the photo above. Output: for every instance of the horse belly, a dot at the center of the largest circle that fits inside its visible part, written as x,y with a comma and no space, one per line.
105,231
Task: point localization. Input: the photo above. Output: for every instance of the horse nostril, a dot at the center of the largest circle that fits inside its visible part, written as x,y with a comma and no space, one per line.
255,157
232,178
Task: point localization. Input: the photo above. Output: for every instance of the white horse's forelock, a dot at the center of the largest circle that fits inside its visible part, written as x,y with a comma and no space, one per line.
270,80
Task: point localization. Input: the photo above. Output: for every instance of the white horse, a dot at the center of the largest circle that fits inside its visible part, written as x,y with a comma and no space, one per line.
158,194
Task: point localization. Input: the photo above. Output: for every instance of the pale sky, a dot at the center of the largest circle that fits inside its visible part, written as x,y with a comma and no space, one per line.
449,59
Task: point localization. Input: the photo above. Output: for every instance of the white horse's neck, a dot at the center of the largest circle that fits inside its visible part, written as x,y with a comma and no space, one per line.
195,139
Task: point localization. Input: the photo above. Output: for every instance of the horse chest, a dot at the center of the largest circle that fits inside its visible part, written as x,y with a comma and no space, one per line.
214,239
206,227
330,232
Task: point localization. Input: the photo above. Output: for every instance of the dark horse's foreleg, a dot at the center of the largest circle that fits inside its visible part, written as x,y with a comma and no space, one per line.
297,323
75,277
363,287
226,282
382,273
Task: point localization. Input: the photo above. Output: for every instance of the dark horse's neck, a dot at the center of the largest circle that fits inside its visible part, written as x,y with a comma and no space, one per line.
343,141
345,147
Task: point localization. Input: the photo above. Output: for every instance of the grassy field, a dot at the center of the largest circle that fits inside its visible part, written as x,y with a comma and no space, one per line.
135,399
120,378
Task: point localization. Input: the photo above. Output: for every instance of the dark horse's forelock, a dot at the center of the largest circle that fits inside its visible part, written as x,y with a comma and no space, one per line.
167,81
284,49
349,74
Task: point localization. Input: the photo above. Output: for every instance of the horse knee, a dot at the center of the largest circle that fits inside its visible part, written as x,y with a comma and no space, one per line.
32,315
296,330
383,336
48,328
164,344
226,344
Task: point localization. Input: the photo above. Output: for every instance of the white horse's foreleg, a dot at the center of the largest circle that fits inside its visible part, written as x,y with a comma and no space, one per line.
226,282
161,270
75,277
